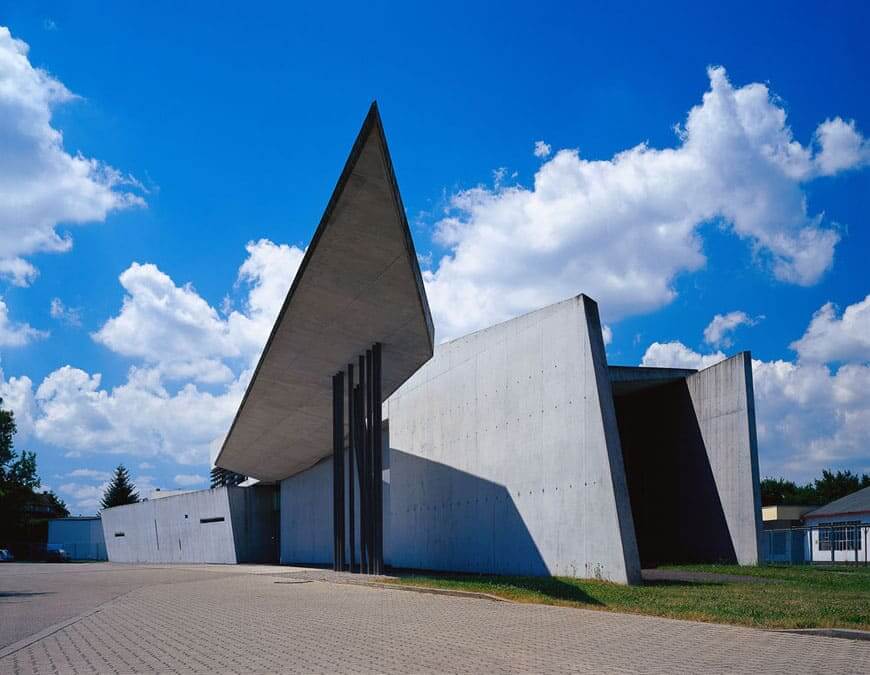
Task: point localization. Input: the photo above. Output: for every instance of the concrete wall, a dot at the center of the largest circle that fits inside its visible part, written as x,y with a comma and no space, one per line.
306,513
255,523
81,538
724,406
691,461
169,529
505,454
306,516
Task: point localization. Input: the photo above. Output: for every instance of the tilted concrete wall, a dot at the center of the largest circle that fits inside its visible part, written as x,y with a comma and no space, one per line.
724,403
169,529
505,455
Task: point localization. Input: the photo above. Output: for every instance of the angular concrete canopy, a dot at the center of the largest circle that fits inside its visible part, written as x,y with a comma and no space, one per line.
359,283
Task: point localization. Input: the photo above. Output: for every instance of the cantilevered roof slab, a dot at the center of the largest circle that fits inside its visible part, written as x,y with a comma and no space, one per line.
359,283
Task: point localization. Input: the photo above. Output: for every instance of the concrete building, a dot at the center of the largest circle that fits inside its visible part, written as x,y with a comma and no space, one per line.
222,525
80,536
516,449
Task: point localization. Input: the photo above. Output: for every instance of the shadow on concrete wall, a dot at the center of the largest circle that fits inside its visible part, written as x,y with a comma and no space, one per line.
445,519
675,504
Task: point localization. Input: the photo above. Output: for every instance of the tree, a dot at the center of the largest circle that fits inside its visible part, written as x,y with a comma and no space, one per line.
832,486
778,491
120,491
24,512
224,477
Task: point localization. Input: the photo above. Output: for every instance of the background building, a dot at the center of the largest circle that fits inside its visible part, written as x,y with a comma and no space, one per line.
516,449
80,536
840,530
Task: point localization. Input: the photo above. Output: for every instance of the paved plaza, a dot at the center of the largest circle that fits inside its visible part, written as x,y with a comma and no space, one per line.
200,619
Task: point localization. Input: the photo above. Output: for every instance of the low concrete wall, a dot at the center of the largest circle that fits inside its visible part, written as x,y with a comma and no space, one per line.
505,455
195,527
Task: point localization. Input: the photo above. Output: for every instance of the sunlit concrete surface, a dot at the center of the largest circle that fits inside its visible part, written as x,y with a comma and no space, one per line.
256,619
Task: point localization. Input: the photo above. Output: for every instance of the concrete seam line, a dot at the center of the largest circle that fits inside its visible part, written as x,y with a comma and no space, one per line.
418,589
47,632
51,630
440,591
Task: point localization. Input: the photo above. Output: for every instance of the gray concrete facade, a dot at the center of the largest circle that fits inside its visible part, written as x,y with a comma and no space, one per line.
691,458
517,450
505,455
724,405
222,525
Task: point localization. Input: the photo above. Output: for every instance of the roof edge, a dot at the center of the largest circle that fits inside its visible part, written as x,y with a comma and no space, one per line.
372,122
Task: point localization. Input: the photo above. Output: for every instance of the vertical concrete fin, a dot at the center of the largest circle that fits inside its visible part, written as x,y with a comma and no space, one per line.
724,402
620,499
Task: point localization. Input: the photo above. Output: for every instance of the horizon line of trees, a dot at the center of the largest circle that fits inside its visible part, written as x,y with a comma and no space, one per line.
818,492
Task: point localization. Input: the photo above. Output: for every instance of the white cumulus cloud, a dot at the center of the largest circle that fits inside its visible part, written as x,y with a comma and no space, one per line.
717,332
809,416
41,184
623,228
14,334
842,147
542,149
832,338
677,355
175,335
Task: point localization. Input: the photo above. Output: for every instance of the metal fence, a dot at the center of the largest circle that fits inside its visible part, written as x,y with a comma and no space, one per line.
28,550
842,543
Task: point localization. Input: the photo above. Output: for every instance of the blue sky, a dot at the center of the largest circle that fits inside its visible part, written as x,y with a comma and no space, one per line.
190,133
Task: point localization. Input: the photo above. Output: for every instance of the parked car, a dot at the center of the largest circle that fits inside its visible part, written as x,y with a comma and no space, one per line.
5,555
54,553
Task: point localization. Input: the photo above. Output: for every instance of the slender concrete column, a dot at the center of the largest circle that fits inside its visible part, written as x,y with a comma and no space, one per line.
377,463
338,469
351,502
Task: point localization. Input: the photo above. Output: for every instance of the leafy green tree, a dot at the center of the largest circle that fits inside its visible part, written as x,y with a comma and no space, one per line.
776,491
23,512
833,486
120,491
223,477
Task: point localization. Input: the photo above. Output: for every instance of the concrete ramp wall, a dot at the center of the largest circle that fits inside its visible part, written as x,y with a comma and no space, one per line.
195,527
220,525
688,442
505,455
724,406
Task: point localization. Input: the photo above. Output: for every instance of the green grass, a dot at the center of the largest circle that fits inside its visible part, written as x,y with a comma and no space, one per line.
794,597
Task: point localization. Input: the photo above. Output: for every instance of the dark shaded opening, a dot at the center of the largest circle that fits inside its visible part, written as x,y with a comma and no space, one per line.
219,519
119,534
678,516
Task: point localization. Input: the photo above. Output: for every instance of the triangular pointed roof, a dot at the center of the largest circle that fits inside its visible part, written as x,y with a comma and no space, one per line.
359,283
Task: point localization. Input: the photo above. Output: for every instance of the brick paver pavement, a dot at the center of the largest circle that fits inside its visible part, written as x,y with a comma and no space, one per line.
251,622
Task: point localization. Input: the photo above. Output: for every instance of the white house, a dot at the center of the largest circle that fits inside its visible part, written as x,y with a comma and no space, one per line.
840,531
